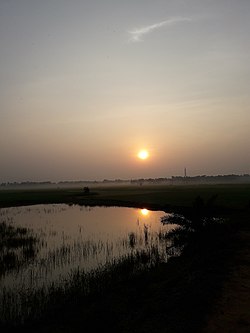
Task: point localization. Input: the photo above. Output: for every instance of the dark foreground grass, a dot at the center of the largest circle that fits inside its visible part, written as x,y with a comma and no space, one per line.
26,307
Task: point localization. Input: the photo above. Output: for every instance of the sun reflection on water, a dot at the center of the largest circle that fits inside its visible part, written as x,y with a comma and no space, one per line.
144,212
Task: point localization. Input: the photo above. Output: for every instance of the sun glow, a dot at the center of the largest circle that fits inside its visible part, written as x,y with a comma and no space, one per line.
143,154
144,212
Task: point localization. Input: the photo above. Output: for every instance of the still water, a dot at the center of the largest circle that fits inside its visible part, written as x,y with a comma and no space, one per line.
78,237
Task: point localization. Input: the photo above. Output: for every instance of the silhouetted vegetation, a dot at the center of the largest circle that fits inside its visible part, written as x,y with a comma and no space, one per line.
199,220
17,247
86,190
29,305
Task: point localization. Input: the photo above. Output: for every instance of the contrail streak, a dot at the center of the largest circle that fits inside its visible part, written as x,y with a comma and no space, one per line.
136,35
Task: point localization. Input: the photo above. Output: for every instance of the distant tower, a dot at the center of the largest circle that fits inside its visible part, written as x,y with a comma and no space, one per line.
185,172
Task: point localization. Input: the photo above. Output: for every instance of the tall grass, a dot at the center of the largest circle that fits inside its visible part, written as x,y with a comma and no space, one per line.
27,305
17,247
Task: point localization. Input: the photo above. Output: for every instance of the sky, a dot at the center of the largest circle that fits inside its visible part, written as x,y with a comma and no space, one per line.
84,85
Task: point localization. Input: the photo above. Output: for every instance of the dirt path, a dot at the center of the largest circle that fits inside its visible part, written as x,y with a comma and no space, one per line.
232,310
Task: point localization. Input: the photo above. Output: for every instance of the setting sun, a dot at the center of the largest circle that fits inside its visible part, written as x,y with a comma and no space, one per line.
143,154
144,211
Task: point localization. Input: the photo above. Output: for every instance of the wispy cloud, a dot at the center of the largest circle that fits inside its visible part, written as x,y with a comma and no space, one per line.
137,35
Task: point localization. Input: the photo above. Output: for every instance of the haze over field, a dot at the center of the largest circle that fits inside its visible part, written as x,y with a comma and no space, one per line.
86,85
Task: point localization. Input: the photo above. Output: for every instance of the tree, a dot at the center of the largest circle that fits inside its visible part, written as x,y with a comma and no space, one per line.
86,190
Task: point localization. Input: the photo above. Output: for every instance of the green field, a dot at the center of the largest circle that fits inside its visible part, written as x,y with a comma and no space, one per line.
157,197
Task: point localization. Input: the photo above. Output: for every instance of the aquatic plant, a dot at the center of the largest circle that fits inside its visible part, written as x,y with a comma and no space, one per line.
17,247
28,304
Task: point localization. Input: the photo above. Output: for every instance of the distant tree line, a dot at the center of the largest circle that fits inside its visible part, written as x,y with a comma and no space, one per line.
201,179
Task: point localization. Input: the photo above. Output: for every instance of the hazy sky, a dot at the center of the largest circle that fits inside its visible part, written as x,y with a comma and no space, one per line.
85,84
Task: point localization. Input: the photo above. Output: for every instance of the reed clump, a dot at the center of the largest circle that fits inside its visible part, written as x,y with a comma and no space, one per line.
17,247
28,305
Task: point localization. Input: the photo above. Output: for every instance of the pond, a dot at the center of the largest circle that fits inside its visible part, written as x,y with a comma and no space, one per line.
69,238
